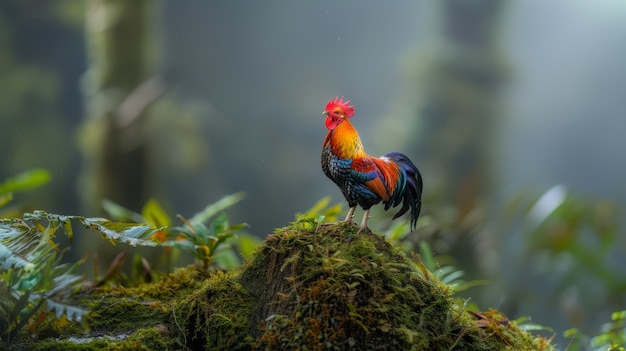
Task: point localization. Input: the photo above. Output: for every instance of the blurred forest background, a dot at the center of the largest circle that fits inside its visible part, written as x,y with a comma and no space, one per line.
513,111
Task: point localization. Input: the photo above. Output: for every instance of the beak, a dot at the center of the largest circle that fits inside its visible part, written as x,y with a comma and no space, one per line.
325,112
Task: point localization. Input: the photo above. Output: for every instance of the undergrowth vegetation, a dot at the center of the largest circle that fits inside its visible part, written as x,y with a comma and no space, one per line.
329,284
36,286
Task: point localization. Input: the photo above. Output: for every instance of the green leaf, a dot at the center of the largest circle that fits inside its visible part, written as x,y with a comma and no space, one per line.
154,214
317,208
200,232
21,303
18,243
398,231
72,313
226,259
26,313
453,276
216,207
571,333
67,227
618,315
25,181
121,213
247,244
219,225
5,199
319,212
463,285
184,244
129,233
427,257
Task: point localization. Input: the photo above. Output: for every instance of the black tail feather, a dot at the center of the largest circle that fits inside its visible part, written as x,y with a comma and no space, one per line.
411,196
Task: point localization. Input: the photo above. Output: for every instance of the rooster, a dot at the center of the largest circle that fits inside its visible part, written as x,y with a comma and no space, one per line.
365,180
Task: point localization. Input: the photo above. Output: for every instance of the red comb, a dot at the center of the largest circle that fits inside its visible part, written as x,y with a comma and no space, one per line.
337,102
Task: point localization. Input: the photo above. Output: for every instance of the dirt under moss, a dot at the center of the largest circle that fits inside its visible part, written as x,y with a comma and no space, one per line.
327,288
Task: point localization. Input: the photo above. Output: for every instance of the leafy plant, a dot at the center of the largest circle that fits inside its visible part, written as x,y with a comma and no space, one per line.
32,277
576,242
612,336
207,236
21,182
447,274
209,243
30,280
152,214
320,212
574,233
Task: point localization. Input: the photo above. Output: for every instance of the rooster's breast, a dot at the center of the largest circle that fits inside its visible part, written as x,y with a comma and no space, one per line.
351,183
335,168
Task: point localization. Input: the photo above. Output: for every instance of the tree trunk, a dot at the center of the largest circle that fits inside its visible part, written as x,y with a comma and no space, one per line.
460,107
116,152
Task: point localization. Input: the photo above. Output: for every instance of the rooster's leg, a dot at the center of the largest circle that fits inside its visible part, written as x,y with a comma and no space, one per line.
348,217
363,225
350,214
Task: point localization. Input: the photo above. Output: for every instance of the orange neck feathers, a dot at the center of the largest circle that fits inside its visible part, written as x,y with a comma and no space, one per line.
344,141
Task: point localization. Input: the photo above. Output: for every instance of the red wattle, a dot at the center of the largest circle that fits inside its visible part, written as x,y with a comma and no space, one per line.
331,123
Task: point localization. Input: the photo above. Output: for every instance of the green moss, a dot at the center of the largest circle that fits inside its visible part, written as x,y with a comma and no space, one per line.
54,345
144,339
215,316
123,317
117,314
304,289
332,288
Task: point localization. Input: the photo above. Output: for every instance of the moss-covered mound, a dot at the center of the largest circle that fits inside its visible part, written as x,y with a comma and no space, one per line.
333,289
327,288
